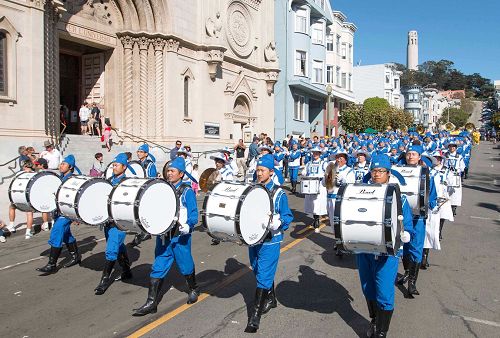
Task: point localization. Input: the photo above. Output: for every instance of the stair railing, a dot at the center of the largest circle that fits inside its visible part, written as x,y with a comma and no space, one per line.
13,169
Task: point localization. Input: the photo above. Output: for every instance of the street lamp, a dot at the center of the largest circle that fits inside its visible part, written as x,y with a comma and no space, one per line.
329,90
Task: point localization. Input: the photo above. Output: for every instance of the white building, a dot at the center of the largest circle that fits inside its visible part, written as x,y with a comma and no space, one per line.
382,80
433,107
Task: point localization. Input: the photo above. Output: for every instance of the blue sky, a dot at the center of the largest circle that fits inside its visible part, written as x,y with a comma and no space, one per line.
466,32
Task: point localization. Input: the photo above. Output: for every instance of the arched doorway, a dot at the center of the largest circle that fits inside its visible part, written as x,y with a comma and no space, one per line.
241,115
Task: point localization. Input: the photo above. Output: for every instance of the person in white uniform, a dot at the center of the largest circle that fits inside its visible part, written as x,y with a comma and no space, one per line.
455,163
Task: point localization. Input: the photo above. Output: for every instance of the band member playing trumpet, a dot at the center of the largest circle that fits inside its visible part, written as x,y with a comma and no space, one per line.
377,273
175,245
264,257
316,204
115,247
61,230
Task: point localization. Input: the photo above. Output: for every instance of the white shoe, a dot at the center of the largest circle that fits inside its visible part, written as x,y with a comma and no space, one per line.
11,227
45,226
2,239
316,230
28,235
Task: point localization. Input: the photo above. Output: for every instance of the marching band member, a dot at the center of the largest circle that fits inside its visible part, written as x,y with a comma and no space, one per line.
377,273
315,204
294,164
175,245
413,250
61,230
455,163
186,155
115,248
279,156
264,257
362,166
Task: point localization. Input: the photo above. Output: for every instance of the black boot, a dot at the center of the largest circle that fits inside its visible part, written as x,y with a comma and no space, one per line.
294,186
454,210
372,311
412,279
152,302
75,255
193,288
406,264
441,225
466,173
139,238
256,312
316,221
106,278
383,322
51,266
425,260
124,263
271,302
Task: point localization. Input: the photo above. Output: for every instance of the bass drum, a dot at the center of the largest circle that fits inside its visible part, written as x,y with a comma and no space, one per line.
416,189
84,199
145,205
34,191
366,218
238,212
136,165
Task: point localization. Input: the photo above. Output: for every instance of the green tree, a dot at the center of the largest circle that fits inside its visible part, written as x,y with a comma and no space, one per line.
458,117
351,118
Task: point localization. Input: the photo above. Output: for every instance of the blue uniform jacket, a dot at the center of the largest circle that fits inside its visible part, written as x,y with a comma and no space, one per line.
280,207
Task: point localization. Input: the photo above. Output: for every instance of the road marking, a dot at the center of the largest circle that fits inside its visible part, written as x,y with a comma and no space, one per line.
42,257
485,218
238,274
475,320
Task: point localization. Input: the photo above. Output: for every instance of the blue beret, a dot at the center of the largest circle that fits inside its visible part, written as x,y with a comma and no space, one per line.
266,161
381,161
144,147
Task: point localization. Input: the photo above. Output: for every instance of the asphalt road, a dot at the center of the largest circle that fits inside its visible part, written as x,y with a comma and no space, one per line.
319,294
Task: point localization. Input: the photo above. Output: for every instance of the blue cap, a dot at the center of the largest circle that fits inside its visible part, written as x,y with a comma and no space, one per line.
266,147
122,158
144,147
180,164
416,148
381,161
71,161
266,161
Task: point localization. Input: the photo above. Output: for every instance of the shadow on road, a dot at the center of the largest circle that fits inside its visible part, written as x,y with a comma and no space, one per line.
490,206
482,189
315,292
85,245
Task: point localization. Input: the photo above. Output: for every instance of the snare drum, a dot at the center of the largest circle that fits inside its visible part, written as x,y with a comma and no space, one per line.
34,191
238,212
453,179
416,188
366,218
310,185
140,172
84,199
145,205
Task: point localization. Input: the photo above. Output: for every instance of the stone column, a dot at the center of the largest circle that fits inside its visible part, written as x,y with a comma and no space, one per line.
128,45
143,43
159,44
51,52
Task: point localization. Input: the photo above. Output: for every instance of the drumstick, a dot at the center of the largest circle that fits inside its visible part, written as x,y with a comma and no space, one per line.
405,235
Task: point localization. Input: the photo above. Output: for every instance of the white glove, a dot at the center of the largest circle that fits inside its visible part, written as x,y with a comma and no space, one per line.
184,229
275,224
405,236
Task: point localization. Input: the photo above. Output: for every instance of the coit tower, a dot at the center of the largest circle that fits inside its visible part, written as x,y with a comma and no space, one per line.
412,51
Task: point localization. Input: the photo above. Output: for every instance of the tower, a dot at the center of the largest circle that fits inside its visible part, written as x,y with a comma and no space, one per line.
412,51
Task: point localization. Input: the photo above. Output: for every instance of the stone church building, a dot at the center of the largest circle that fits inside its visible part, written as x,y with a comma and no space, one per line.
199,70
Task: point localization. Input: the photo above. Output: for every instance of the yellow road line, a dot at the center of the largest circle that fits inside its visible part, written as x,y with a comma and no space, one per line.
238,274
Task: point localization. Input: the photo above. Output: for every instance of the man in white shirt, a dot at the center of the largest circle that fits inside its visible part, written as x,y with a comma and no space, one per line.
84,114
52,155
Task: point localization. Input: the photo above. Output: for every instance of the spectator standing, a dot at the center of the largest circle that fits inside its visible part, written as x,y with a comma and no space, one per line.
253,150
96,114
52,155
84,114
97,169
106,137
27,167
30,152
194,184
23,155
240,158
173,152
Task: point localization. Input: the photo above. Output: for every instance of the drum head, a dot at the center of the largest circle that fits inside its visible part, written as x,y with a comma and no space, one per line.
158,207
92,202
254,214
42,191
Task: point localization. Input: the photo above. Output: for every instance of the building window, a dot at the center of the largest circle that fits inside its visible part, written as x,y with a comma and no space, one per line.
186,97
317,33
396,83
337,76
387,96
298,111
337,44
350,82
300,63
344,80
301,21
329,43
344,50
317,71
329,74
3,64
387,78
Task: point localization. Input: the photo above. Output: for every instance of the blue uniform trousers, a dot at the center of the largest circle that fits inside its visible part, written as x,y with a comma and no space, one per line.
114,242
377,278
415,246
178,249
61,232
294,174
264,260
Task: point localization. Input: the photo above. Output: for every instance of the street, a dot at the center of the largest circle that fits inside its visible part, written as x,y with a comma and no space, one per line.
319,294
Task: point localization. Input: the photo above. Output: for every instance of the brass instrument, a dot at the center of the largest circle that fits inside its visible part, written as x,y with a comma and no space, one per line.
209,179
331,176
469,126
420,129
404,128
449,126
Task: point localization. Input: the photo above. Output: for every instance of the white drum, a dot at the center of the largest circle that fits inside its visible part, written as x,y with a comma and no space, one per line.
35,191
366,218
310,185
238,212
84,199
453,179
136,165
145,205
416,188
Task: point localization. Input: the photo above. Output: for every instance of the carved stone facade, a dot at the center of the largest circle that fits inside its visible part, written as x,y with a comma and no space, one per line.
228,66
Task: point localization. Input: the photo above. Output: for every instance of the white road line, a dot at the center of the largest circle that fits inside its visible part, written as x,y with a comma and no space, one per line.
43,257
485,218
475,320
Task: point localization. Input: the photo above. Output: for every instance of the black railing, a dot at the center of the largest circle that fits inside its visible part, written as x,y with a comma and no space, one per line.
13,169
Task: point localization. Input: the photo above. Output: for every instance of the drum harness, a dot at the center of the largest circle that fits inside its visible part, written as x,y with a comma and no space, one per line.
175,230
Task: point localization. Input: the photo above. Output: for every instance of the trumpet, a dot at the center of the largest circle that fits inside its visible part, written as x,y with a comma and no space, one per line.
469,126
420,129
404,128
449,126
